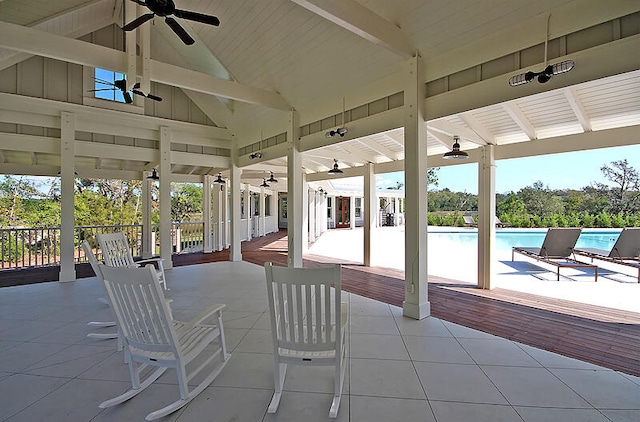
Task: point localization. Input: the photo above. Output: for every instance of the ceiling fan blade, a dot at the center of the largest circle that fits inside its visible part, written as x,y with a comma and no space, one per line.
102,81
154,97
139,2
103,89
179,30
197,17
137,22
127,97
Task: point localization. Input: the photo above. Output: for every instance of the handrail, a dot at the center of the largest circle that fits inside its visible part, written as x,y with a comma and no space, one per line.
29,247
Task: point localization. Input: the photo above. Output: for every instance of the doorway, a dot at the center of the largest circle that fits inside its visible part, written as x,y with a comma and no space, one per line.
343,210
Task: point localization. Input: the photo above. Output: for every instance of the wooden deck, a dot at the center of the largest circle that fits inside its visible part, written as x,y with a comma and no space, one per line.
603,336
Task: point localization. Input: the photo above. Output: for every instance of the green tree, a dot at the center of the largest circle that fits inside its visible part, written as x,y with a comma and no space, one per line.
624,196
540,200
186,200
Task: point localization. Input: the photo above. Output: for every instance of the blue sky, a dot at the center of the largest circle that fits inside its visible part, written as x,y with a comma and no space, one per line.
573,170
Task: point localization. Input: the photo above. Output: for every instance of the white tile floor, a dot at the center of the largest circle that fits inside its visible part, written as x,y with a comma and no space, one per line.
399,369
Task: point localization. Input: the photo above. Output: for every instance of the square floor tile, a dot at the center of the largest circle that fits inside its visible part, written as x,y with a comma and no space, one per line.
602,389
247,370
256,341
457,382
622,415
373,325
541,414
554,360
436,349
497,351
533,387
20,391
377,346
386,409
371,308
307,407
228,404
457,412
430,327
385,378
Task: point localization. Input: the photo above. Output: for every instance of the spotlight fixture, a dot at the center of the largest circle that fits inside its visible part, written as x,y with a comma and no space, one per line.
272,179
264,183
340,131
543,76
255,155
219,179
154,175
320,190
455,153
335,169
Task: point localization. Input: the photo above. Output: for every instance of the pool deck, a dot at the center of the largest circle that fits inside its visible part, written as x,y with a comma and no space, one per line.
535,311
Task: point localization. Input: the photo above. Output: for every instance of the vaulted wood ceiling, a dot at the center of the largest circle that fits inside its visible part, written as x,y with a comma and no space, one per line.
271,56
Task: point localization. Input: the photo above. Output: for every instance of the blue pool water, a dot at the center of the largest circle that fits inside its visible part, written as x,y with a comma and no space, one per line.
506,239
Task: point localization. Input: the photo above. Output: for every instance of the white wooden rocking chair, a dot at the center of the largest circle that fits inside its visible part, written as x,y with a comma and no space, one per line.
308,323
153,338
88,252
116,253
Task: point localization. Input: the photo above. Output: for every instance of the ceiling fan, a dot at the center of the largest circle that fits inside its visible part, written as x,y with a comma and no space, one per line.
166,8
121,84
543,76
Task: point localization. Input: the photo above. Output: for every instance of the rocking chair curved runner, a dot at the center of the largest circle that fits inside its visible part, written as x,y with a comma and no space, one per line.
153,338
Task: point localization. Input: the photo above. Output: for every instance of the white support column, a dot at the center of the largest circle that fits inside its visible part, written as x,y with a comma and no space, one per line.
166,247
226,211
295,187
318,214
486,217
147,230
416,304
206,213
235,254
247,210
352,212
311,214
217,217
67,190
263,213
396,213
370,211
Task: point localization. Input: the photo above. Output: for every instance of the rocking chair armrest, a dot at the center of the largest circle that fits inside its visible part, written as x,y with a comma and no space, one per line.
205,314
142,262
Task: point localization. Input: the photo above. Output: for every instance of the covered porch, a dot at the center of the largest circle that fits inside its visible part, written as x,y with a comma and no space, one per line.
435,369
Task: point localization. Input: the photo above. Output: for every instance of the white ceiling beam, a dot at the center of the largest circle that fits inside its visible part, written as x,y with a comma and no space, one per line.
356,18
379,148
439,137
40,43
449,128
82,26
478,128
42,112
520,119
578,109
200,160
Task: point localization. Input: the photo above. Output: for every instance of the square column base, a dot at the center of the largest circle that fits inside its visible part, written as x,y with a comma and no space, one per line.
64,276
414,311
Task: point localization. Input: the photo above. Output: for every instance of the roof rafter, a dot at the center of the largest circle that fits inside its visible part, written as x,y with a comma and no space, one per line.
449,128
521,120
356,18
40,43
578,108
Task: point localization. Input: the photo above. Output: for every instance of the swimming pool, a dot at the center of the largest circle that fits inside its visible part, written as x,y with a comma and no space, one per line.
507,238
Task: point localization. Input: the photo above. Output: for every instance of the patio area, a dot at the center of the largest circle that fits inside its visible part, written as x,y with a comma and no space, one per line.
398,369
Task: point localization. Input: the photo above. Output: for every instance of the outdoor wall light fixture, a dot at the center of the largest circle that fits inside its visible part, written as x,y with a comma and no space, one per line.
154,175
272,179
335,169
219,179
256,155
264,183
455,153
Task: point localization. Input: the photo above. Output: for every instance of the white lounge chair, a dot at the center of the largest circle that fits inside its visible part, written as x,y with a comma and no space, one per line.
626,250
308,323
153,338
116,253
557,249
